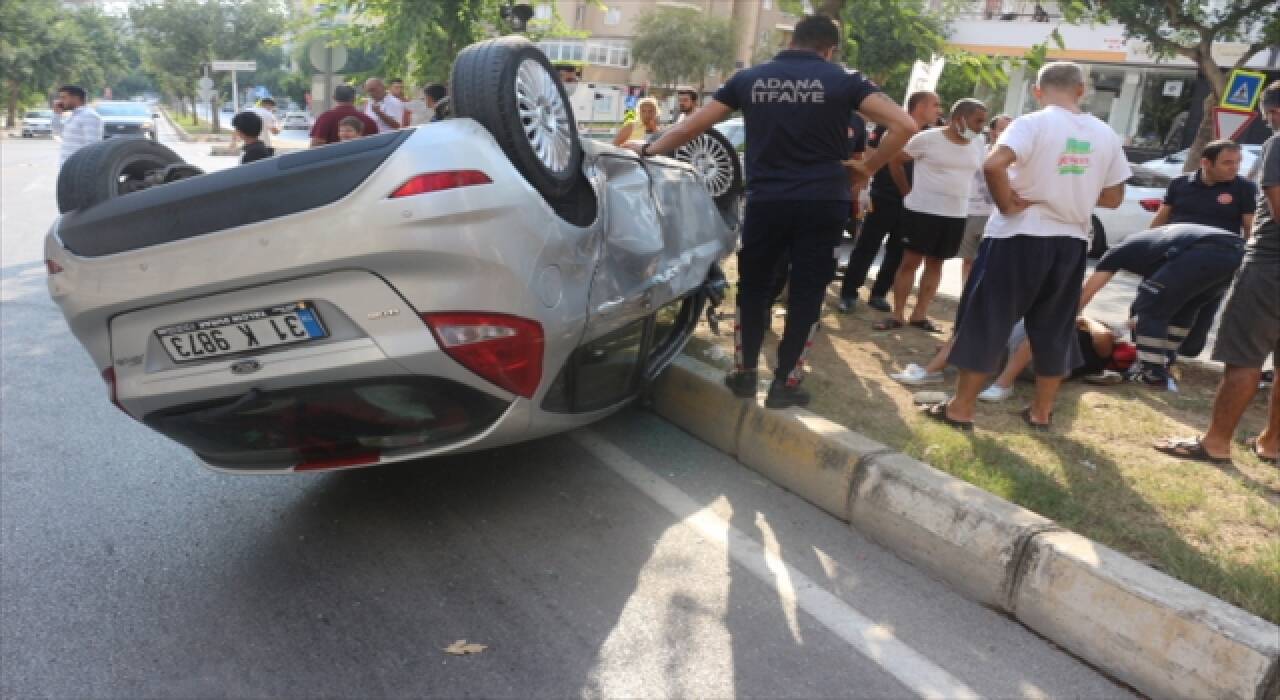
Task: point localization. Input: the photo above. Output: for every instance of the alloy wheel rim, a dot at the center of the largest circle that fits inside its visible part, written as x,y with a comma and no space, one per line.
543,115
711,160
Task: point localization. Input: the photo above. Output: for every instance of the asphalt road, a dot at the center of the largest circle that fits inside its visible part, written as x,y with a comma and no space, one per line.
625,560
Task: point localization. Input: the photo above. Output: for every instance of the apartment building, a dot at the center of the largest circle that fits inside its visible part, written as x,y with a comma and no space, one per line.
1153,104
605,53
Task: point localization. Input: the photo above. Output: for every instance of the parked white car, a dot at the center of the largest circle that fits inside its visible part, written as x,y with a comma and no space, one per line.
1171,165
37,122
296,120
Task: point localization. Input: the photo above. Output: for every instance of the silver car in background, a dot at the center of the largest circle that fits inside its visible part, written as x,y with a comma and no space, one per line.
471,283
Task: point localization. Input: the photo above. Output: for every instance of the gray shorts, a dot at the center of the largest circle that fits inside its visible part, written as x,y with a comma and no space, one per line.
973,229
1250,326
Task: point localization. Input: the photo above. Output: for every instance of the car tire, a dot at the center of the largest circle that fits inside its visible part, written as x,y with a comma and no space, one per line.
718,163
508,85
1098,244
109,169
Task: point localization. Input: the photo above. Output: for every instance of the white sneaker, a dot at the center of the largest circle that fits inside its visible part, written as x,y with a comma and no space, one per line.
915,375
995,393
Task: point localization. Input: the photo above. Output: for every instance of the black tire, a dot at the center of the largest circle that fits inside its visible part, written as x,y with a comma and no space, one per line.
109,169
722,178
483,87
1098,244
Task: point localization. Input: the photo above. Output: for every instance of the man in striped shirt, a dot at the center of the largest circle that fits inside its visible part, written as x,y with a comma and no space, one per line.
76,123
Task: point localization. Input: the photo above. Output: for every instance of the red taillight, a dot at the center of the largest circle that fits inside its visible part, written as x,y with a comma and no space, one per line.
52,266
1152,205
109,376
506,350
358,459
434,182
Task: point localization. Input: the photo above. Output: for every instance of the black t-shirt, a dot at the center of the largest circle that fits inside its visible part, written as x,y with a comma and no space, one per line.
1146,252
1093,362
256,151
1222,204
857,134
796,112
882,184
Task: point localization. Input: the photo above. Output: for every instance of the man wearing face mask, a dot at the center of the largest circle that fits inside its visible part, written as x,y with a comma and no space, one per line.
936,208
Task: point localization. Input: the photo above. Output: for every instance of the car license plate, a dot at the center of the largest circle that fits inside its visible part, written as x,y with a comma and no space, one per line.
246,331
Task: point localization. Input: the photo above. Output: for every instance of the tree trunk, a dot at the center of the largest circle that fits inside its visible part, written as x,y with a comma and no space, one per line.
1217,84
831,8
12,106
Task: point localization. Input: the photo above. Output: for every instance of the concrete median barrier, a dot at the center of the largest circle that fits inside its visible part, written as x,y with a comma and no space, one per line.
1161,636
964,535
1155,633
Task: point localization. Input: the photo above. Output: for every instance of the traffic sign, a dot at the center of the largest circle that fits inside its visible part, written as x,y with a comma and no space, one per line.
234,65
204,83
1231,124
333,62
1243,89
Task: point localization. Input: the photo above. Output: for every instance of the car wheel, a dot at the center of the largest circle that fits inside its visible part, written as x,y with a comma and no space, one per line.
509,86
717,161
1098,243
110,169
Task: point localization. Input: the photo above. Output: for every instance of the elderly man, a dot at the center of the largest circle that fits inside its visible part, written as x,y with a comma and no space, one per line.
1032,259
382,107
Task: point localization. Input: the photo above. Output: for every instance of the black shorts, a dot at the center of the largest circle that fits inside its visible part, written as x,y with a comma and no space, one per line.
932,235
1023,277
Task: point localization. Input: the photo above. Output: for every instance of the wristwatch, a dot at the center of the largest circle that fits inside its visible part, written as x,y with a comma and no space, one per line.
644,150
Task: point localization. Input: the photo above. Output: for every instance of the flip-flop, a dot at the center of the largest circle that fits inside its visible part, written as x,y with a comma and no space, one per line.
887,324
925,325
1188,448
938,412
1252,444
1042,427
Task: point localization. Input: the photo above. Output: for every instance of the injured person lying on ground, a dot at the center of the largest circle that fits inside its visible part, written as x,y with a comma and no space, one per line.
1106,358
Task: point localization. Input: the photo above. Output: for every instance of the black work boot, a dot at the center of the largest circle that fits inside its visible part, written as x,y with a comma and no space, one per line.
783,396
742,383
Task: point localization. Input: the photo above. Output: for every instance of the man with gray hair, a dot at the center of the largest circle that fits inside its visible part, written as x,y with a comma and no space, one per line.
1032,259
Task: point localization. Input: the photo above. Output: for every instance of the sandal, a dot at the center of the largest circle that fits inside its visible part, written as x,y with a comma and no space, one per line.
1042,427
1252,444
1188,448
887,324
938,412
924,324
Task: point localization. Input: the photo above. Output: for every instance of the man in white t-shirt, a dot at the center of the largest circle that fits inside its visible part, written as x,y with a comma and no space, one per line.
269,124
382,107
980,204
1032,259
935,209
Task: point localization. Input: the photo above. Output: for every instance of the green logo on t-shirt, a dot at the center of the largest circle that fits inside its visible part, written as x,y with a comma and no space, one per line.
1075,157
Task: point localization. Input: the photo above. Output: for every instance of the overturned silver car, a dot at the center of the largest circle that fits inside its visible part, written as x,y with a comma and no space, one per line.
475,282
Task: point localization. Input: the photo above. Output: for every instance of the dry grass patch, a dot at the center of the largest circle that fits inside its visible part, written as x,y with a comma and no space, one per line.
1216,528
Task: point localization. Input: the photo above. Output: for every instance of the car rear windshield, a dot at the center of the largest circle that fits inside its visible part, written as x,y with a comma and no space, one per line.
122,110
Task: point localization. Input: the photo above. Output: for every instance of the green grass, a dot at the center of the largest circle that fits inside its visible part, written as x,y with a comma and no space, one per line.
1215,528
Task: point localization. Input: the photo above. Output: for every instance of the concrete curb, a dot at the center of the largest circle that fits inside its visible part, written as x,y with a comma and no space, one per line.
1161,636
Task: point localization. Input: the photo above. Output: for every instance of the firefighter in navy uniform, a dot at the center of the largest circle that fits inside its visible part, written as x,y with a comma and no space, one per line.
796,110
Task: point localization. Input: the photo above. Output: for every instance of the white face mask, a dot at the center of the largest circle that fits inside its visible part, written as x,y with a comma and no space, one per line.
966,133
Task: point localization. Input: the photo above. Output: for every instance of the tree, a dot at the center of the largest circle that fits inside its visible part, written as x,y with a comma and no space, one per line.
420,38
44,45
680,44
1190,28
178,39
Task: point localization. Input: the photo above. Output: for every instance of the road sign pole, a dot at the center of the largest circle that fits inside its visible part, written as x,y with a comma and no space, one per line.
235,93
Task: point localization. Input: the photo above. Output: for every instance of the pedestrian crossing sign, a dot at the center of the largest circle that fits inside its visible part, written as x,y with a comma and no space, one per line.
1243,89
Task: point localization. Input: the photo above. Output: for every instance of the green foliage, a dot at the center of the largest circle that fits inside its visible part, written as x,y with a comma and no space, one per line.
420,38
44,45
883,38
679,45
1184,27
